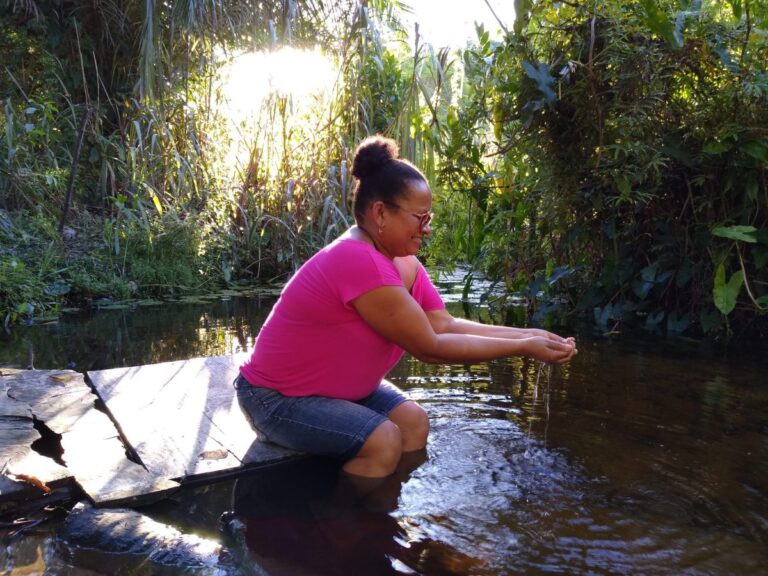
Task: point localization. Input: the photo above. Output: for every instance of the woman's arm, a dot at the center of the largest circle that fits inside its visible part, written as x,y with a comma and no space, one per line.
440,338
443,322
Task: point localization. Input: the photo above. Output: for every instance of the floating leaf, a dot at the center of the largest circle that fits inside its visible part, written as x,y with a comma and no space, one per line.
33,480
149,302
213,454
116,306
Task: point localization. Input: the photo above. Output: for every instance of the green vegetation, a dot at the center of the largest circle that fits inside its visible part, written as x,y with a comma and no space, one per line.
607,160
634,150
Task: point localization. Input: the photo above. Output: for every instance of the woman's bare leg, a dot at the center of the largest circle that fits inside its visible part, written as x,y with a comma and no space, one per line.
405,431
380,454
413,423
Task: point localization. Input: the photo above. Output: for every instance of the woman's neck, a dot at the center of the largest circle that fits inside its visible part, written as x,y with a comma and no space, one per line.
364,236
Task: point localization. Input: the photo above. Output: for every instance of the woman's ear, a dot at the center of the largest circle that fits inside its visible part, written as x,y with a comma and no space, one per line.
379,213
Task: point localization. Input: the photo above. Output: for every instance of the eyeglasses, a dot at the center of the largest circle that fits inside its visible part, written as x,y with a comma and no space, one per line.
424,218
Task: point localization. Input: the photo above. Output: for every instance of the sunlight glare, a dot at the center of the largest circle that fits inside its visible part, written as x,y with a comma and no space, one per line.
254,86
451,23
289,72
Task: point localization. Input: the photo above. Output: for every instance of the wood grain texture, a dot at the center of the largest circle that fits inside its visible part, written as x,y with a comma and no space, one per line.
182,417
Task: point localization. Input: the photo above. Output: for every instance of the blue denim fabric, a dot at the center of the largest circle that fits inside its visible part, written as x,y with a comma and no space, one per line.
315,424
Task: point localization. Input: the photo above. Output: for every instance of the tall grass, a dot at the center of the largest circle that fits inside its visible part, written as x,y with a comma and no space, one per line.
154,165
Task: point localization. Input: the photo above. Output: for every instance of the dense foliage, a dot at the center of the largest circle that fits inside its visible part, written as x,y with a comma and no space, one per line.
604,159
629,152
116,136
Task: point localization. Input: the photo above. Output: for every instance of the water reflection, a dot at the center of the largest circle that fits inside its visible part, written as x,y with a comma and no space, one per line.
112,338
306,518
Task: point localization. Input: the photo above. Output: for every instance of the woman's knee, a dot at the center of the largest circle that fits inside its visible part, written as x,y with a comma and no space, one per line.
413,422
383,447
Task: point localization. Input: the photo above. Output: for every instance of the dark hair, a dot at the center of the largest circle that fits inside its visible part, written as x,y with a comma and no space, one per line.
380,174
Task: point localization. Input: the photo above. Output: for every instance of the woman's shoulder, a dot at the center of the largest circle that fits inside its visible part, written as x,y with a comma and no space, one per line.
348,246
408,267
355,256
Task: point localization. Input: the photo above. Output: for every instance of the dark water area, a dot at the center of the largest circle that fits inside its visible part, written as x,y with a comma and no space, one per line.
645,455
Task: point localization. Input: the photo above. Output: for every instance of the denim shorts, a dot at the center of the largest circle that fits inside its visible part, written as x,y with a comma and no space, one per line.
316,424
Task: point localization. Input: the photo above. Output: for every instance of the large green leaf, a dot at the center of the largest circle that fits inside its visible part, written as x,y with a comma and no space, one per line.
660,24
736,7
742,233
715,147
540,74
756,149
522,9
725,293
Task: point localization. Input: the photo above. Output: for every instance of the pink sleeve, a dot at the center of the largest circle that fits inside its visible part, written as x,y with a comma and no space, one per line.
425,293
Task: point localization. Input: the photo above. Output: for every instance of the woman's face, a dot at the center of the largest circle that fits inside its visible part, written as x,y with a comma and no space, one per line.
407,220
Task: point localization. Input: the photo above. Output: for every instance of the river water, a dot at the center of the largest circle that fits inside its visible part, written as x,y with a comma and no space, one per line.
645,455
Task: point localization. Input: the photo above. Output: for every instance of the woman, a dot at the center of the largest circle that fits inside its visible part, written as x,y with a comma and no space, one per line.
315,381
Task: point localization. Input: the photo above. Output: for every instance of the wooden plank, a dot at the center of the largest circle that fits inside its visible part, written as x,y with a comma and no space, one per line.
183,419
93,450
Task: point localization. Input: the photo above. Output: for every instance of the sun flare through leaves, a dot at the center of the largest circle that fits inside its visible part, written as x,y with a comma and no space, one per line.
265,95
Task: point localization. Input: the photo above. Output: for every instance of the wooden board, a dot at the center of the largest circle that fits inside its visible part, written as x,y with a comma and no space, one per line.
182,418
94,453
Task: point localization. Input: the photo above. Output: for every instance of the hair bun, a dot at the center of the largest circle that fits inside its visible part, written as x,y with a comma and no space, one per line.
372,154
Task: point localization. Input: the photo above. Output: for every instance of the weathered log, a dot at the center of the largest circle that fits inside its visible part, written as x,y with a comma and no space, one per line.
165,424
93,454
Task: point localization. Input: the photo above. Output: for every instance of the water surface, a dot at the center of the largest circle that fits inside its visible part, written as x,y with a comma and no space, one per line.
645,455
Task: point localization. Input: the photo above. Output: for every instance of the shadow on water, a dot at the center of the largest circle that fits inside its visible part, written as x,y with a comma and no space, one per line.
643,456
307,519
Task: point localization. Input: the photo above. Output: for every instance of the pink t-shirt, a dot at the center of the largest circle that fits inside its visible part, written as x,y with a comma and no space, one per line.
314,342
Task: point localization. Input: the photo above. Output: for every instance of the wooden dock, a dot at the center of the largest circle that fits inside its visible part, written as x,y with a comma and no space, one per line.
127,435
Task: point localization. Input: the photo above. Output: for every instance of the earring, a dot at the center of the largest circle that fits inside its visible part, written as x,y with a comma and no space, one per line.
379,230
